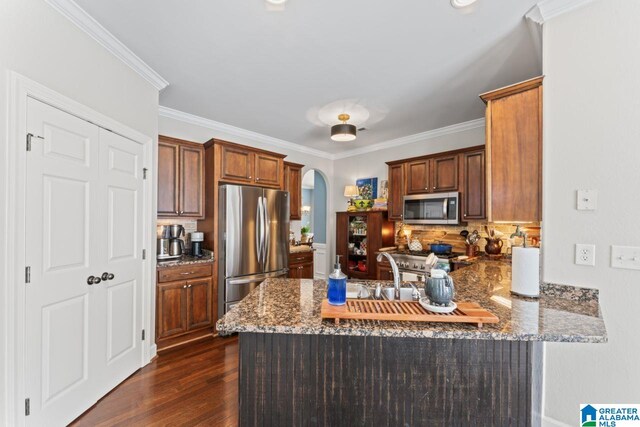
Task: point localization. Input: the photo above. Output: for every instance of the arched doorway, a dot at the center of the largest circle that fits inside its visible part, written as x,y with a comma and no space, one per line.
314,216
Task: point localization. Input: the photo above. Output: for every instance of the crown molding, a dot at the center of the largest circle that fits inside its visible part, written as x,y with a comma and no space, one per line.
239,132
549,9
410,139
74,13
279,143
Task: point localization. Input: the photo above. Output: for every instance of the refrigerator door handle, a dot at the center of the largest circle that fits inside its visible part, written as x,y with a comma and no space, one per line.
267,231
259,230
261,257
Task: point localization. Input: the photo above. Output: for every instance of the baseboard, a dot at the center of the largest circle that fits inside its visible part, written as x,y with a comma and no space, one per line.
551,422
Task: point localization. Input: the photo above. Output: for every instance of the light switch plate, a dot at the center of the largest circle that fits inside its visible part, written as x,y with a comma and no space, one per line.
587,200
625,257
585,254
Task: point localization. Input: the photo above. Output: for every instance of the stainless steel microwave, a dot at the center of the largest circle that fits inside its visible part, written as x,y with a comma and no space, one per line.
436,208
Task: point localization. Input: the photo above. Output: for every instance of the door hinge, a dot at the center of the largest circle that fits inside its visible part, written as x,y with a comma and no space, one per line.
27,274
27,406
143,334
144,254
30,136
144,173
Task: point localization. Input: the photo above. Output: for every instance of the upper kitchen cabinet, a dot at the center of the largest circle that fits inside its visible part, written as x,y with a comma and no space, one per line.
396,191
418,172
293,184
445,173
432,175
180,178
473,178
514,152
239,164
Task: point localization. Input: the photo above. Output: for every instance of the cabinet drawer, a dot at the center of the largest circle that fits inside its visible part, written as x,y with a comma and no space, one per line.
184,272
300,258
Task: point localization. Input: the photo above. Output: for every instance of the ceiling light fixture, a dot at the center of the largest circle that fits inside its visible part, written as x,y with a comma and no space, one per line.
343,132
459,4
277,2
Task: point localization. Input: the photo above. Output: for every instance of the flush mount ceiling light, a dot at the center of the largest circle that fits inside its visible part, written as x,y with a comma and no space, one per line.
277,2
459,4
343,132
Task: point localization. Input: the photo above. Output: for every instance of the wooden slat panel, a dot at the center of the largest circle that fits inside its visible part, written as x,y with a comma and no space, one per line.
349,380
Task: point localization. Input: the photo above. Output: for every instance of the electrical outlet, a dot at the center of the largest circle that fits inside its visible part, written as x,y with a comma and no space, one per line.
585,254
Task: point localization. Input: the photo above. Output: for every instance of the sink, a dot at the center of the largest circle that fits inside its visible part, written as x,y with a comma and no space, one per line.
358,290
405,293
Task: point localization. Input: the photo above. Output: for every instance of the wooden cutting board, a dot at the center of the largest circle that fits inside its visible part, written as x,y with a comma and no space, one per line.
409,311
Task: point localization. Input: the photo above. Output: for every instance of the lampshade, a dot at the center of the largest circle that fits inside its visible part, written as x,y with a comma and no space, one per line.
344,131
351,191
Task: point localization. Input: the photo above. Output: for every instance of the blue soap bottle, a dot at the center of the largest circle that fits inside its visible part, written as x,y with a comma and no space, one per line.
337,289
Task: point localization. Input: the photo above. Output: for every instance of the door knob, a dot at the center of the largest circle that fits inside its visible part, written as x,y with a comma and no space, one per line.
93,280
107,276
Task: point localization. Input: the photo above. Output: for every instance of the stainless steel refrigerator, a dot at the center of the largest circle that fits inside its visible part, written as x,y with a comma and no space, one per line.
253,233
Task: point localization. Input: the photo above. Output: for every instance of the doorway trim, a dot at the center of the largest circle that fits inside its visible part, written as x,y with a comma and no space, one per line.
20,89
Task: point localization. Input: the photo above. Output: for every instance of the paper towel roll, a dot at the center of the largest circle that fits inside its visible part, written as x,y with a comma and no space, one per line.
525,271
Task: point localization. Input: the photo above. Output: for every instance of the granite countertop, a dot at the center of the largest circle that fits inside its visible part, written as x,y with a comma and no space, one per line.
186,260
561,314
300,248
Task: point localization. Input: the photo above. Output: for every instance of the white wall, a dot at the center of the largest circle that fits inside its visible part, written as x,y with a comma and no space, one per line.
592,140
40,44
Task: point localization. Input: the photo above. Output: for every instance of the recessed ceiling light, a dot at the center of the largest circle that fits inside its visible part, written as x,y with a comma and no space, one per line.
276,1
459,4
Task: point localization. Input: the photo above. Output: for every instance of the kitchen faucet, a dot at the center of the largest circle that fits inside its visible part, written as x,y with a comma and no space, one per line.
520,233
396,273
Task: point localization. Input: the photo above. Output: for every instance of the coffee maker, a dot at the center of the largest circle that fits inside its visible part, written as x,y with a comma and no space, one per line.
197,238
170,245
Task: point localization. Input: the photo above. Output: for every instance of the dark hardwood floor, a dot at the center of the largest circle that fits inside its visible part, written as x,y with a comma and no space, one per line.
193,386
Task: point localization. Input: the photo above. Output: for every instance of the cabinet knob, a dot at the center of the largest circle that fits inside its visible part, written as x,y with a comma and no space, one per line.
426,188
188,286
184,286
257,179
181,212
434,187
177,213
249,176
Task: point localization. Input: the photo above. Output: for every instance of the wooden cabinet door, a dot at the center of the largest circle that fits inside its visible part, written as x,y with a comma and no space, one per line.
445,174
418,176
474,185
293,184
199,303
514,147
306,272
268,170
236,164
395,203
171,309
294,272
191,181
384,271
168,179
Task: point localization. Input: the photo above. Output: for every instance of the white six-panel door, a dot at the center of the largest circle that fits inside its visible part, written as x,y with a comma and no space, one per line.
83,218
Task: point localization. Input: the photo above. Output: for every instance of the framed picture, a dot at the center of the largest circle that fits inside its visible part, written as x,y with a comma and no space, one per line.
367,187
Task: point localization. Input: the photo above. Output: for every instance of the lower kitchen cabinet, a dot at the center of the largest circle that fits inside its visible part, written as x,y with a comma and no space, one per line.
183,307
301,265
384,271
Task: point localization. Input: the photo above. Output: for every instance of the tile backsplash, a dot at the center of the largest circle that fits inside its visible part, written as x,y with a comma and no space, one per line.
450,234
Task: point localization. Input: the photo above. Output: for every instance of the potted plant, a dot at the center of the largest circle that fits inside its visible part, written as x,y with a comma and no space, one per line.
304,231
